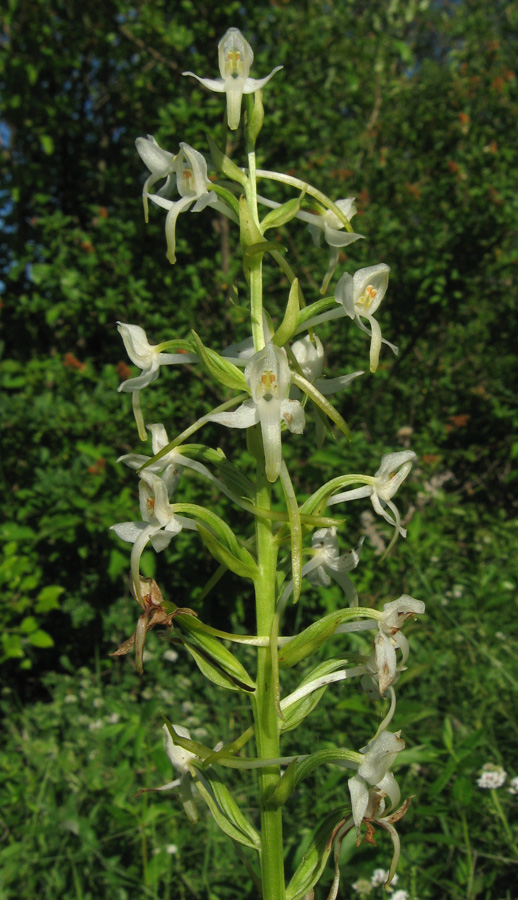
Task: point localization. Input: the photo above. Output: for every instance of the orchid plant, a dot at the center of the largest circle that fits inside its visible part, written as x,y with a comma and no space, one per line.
276,376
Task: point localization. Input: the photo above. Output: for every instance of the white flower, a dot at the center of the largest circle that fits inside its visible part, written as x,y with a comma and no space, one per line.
360,296
172,849
393,470
235,60
159,523
148,357
268,376
192,182
182,761
379,877
373,772
96,726
400,895
327,563
491,777
513,786
160,163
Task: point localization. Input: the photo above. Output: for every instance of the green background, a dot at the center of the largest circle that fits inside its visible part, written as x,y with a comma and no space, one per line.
410,107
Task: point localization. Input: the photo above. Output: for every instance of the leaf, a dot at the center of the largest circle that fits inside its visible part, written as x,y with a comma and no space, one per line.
289,323
316,856
282,214
225,164
223,555
40,639
217,663
227,813
221,369
48,598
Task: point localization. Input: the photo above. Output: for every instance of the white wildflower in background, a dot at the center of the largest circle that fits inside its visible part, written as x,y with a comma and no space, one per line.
172,849
491,777
96,726
379,877
170,655
362,886
400,895
513,786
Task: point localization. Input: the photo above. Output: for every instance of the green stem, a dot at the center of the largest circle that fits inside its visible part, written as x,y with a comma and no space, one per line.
503,818
265,713
256,263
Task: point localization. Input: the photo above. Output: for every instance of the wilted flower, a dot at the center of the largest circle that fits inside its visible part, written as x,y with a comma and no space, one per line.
268,376
360,296
390,638
369,787
235,60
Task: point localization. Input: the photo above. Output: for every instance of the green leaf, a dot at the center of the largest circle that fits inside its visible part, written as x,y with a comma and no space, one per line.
282,214
223,555
225,165
311,639
28,624
47,144
217,663
222,370
225,810
40,639
316,856
48,598
289,323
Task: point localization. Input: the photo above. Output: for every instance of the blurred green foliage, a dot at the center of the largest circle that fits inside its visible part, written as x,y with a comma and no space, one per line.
412,107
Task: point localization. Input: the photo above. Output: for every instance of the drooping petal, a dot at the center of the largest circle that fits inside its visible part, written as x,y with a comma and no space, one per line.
359,792
175,208
270,418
